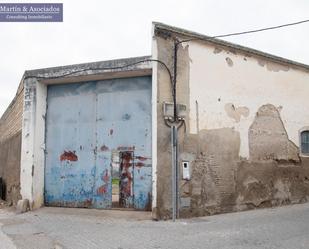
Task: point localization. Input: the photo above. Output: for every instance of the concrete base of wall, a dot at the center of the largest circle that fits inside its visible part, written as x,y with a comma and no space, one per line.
257,185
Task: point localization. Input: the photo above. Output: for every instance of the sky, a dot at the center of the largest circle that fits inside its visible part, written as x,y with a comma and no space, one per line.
96,30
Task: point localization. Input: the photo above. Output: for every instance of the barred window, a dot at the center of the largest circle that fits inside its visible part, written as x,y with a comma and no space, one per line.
304,136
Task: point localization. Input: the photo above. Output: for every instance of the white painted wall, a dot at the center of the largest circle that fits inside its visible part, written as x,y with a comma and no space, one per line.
246,83
39,144
27,145
154,126
33,137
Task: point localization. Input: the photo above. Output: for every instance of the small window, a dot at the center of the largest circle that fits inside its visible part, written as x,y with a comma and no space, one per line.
304,137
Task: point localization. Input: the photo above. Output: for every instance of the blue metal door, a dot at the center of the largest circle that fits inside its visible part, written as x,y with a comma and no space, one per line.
87,124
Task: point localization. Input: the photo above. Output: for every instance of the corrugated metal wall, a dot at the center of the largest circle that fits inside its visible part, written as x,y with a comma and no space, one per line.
95,128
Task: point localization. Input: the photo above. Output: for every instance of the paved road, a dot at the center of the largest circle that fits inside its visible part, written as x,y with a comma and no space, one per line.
5,241
284,228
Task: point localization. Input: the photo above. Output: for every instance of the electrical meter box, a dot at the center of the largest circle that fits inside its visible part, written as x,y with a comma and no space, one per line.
168,110
185,170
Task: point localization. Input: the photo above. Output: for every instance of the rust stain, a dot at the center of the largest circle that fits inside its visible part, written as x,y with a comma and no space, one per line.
69,156
126,177
141,158
148,206
139,164
126,148
105,176
104,148
88,202
102,190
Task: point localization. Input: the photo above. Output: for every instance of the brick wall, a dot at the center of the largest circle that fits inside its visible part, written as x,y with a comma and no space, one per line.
11,120
10,146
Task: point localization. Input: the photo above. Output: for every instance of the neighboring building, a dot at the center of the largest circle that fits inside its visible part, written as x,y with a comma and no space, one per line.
97,134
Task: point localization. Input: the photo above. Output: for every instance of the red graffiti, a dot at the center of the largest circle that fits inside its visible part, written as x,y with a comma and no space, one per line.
104,148
69,156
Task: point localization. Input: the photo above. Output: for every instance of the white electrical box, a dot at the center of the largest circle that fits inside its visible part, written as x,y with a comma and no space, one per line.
181,111
185,170
168,110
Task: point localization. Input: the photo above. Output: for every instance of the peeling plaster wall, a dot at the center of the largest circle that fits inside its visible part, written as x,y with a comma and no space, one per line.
244,86
244,113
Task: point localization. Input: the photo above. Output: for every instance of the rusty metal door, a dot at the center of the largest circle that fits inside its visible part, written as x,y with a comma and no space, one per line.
88,123
126,172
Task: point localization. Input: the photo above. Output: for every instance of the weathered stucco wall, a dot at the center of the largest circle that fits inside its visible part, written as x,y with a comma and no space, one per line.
10,147
231,86
244,113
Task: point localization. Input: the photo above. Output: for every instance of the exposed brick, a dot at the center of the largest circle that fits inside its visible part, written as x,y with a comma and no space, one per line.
10,147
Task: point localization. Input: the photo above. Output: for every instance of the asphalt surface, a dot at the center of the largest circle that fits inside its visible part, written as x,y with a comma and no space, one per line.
284,227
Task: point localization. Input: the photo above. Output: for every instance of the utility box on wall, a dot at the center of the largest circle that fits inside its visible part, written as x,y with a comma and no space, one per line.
185,170
168,110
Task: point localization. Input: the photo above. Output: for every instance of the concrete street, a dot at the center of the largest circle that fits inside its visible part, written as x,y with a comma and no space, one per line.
284,227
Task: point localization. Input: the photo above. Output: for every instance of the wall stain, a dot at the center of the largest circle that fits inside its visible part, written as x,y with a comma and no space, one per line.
221,181
229,61
69,156
273,67
236,113
268,139
104,148
104,187
217,50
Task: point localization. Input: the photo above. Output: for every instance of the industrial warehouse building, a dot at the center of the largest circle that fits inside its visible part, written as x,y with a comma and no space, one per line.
99,135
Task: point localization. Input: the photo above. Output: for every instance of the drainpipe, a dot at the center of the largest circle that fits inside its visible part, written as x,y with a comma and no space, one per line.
174,143
174,123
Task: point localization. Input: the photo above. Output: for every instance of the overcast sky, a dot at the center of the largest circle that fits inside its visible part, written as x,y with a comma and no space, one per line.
95,30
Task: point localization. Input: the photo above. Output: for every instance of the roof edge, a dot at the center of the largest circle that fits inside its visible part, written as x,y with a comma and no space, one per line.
187,33
103,65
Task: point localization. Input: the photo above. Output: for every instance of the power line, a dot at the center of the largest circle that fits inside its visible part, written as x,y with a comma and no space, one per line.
263,29
249,31
106,68
161,62
99,69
